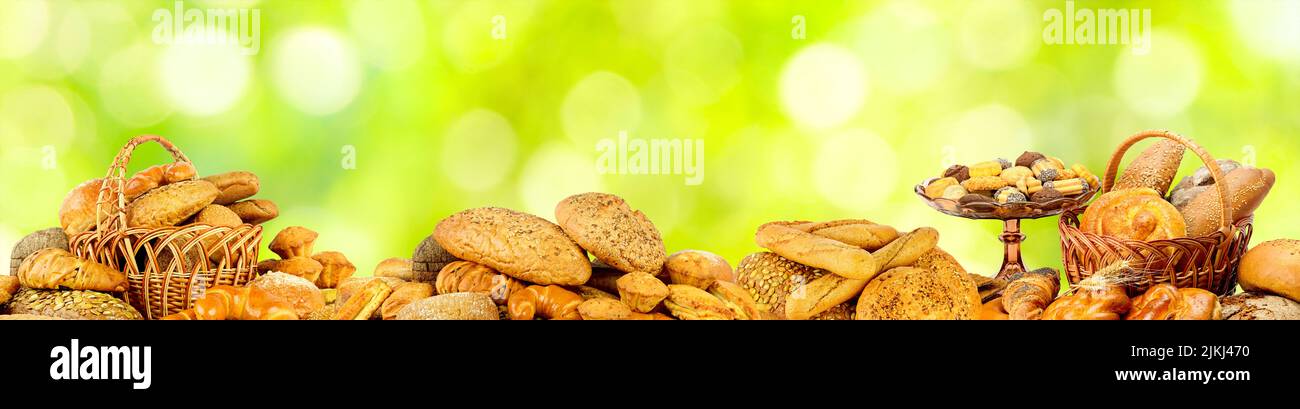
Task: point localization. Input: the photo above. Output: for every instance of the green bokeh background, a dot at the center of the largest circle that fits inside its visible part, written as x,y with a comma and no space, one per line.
443,115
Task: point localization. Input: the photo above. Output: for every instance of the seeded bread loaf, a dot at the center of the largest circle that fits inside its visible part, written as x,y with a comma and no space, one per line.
169,205
73,305
517,244
610,230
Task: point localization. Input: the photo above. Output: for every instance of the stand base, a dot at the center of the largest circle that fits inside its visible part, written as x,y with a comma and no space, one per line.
1012,265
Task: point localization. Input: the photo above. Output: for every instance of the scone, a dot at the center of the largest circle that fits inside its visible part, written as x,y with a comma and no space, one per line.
517,244
640,291
606,226
168,205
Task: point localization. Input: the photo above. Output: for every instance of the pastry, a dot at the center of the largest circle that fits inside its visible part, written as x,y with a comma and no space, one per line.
155,176
861,233
935,189
1009,195
49,238
1154,168
168,205
1027,297
1247,188
9,286
403,294
610,230
517,244
958,172
1256,306
908,293
234,186
396,268
1166,302
1096,302
984,183
737,298
78,212
351,286
308,269
365,303
816,251
975,198
224,302
297,291
1028,159
428,259
455,306
1029,186
1015,174
1272,267
1082,172
691,303
696,268
1133,214
1046,195
256,211
468,276
73,305
1067,187
988,168
335,268
294,241
604,309
641,292
551,302
55,269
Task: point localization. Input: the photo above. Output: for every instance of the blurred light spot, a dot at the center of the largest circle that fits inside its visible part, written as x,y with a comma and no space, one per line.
391,33
203,80
23,24
1163,82
1269,28
599,106
823,86
658,20
36,114
467,38
855,170
553,173
998,34
72,39
701,64
478,150
902,67
315,71
985,133
130,94
8,238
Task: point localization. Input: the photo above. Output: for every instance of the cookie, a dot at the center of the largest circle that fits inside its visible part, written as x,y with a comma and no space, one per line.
959,172
168,205
517,244
606,226
984,183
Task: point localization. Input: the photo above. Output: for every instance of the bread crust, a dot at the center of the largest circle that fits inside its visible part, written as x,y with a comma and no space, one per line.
517,244
612,231
169,205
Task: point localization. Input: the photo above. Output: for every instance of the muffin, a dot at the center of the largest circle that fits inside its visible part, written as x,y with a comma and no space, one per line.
640,291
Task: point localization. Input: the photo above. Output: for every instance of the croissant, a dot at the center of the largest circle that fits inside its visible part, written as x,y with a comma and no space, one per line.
224,302
471,277
550,302
1105,302
1166,302
56,268
1026,298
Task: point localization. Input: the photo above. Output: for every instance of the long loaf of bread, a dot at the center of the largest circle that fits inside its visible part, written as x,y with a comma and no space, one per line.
55,268
816,251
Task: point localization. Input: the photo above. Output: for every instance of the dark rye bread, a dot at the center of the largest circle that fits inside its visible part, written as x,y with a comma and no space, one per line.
428,259
49,238
518,244
610,230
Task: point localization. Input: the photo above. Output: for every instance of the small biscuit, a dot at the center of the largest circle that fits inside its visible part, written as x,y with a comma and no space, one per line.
954,192
975,198
959,172
935,189
1028,158
984,183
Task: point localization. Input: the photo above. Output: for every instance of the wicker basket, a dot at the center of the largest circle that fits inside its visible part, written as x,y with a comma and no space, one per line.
1208,262
161,279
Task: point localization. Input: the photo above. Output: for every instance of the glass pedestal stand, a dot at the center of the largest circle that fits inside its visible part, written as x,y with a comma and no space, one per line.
1012,264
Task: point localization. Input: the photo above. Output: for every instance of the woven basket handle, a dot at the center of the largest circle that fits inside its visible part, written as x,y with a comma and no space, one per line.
1112,169
111,204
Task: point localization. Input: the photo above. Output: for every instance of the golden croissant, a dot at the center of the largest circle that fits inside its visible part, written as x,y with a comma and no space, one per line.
224,302
55,269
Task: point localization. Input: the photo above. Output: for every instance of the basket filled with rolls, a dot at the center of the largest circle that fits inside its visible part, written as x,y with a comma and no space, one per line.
171,234
1191,237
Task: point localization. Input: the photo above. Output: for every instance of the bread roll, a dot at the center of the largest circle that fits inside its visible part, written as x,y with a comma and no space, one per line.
403,294
551,302
1247,188
304,267
1027,297
816,251
352,285
907,293
256,211
1272,267
77,214
471,277
770,278
9,286
696,268
224,302
610,230
1154,168
1166,302
294,241
1198,182
169,205
395,267
53,237
155,176
641,292
738,300
906,250
234,186
1102,302
603,309
297,291
56,269
365,303
517,244
1133,214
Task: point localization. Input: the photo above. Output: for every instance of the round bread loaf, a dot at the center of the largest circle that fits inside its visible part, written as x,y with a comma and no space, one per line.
1272,267
1255,306
428,259
517,244
168,205
77,214
454,306
907,293
606,226
297,291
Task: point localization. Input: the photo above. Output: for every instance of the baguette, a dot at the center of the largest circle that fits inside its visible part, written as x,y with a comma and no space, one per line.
55,268
906,250
861,233
817,251
821,294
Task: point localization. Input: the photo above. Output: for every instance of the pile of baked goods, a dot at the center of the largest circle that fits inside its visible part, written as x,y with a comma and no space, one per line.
51,282
856,269
1270,275
1101,296
1142,207
1033,177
